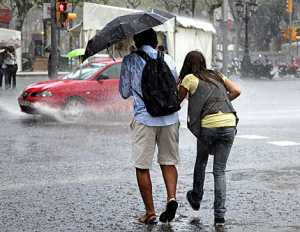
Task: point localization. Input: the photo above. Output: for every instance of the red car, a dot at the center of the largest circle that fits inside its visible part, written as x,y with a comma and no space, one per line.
93,86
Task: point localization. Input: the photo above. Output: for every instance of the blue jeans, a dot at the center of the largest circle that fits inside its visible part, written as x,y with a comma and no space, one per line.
217,142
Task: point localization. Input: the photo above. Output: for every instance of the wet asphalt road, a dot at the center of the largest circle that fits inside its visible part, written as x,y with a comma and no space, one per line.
58,176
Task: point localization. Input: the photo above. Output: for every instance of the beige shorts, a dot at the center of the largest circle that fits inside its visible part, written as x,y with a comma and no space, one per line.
146,138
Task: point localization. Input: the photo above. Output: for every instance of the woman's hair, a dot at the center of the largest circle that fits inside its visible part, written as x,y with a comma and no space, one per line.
194,63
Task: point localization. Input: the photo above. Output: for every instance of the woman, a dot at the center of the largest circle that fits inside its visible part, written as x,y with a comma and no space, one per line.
213,120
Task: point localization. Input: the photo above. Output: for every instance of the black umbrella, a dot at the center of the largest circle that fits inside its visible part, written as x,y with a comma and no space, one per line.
121,28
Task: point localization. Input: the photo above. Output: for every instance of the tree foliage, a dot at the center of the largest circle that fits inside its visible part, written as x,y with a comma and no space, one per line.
20,9
190,7
133,3
265,24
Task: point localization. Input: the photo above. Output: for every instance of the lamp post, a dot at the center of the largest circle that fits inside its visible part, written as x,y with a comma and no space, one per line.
245,9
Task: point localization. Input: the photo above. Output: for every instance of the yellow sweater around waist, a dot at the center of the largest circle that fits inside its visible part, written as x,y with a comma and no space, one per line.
218,120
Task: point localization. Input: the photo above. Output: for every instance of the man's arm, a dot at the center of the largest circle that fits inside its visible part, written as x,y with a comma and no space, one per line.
125,79
172,66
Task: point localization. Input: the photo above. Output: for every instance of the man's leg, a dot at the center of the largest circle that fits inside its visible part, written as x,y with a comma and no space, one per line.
7,78
143,138
170,175
1,76
168,157
14,74
145,186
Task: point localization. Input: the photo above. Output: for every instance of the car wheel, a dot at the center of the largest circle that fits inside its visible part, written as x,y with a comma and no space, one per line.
73,109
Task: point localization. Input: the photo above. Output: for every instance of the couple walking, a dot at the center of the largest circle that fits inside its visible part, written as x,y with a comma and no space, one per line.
8,67
211,118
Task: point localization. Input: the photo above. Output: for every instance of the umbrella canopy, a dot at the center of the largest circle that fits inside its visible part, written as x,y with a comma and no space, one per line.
121,28
75,53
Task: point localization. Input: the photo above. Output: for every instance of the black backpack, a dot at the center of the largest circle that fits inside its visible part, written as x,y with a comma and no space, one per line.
158,86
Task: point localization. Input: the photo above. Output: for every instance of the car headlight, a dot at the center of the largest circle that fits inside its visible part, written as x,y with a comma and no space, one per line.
45,93
24,94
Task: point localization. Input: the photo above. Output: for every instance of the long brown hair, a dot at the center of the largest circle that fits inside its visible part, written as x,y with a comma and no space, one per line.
194,63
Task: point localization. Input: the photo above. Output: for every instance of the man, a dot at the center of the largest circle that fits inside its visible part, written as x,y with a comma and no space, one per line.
149,131
2,53
11,68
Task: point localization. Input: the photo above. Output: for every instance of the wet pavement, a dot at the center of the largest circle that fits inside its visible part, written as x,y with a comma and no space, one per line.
58,176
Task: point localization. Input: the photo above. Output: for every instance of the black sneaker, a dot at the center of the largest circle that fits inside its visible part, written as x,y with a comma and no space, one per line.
169,214
194,204
219,221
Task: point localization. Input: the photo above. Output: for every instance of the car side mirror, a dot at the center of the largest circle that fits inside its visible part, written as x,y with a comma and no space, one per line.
102,77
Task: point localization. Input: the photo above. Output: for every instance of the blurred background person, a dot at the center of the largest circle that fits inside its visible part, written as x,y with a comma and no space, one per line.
11,68
2,74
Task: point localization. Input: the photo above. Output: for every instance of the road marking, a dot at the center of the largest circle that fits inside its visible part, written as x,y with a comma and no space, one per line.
284,143
251,137
274,112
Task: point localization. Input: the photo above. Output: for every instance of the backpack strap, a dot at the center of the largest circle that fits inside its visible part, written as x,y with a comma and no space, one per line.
143,55
160,56
137,93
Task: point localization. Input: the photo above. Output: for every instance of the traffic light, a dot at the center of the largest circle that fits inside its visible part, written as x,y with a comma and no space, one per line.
293,34
63,14
289,6
290,34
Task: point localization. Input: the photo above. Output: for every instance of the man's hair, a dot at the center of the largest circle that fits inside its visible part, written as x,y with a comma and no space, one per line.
147,37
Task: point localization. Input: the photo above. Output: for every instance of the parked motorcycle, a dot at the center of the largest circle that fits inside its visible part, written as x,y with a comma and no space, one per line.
288,69
258,70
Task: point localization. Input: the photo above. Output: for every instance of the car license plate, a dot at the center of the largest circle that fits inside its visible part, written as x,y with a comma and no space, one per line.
24,103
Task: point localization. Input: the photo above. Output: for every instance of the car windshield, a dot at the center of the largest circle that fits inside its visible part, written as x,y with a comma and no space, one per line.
83,73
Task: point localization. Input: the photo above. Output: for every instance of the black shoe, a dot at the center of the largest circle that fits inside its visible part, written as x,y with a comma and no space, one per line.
219,221
169,214
194,204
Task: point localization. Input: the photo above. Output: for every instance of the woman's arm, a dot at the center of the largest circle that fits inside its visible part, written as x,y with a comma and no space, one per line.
182,93
233,89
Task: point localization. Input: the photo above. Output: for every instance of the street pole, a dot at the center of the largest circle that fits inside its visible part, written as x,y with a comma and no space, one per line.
53,54
246,33
246,59
290,34
225,36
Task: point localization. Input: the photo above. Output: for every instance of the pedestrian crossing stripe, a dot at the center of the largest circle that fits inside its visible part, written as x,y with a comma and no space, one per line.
284,143
251,137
